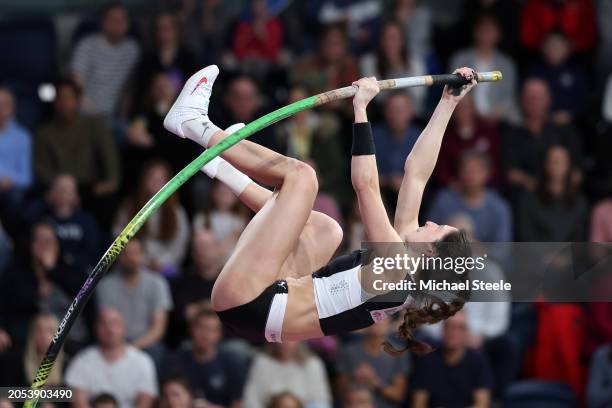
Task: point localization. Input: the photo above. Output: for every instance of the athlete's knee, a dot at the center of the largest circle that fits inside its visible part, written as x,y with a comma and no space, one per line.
328,228
303,174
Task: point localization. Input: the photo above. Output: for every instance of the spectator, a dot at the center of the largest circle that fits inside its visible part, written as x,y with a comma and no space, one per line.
416,19
599,388
393,59
555,211
168,56
284,400
216,377
453,375
492,101
566,80
146,137
358,397
313,136
490,212
195,285
243,104
175,393
77,145
468,131
15,158
259,39
206,26
366,363
112,366
526,144
332,67
507,14
76,229
103,62
394,140
104,401
224,218
142,297
575,18
606,110
21,368
287,366
166,233
39,281
362,18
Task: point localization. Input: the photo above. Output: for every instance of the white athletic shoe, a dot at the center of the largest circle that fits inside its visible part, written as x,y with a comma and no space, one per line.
192,103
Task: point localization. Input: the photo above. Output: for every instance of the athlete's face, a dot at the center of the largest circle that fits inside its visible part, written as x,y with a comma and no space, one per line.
430,232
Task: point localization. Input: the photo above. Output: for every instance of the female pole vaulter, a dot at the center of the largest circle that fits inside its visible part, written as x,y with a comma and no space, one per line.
279,284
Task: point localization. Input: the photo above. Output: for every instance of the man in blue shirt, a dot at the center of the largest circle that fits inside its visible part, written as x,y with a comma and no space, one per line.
15,157
490,212
394,140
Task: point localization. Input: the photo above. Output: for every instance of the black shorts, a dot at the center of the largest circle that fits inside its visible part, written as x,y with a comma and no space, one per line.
250,320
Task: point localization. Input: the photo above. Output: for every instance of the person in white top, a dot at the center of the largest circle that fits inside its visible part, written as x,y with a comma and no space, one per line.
112,367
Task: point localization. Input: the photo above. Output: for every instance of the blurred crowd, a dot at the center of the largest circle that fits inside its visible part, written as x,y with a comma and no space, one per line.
83,148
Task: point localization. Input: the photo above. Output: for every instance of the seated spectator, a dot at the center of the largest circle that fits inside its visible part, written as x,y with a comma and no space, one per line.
168,56
417,21
224,217
489,211
394,140
468,132
216,377
206,26
358,397
453,375
77,145
493,101
76,229
361,16
366,363
331,67
606,110
243,103
142,297
21,368
313,136
599,388
566,80
102,62
575,18
176,393
556,211
146,137
37,281
258,39
113,367
15,158
393,59
284,400
287,366
194,286
104,401
506,13
166,233
526,145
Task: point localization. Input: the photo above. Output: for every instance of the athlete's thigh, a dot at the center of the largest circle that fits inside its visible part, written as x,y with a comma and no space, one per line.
317,244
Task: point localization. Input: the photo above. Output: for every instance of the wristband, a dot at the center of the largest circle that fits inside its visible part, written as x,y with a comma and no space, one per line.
363,141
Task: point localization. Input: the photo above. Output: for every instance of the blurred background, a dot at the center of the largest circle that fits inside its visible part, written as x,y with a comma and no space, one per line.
84,88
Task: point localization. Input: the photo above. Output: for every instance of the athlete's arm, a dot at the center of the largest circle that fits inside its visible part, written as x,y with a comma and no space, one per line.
364,173
422,159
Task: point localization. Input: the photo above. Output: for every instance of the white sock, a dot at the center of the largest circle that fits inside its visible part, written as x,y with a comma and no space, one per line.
223,171
199,130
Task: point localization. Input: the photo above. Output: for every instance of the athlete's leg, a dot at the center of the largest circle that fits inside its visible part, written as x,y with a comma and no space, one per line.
274,232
